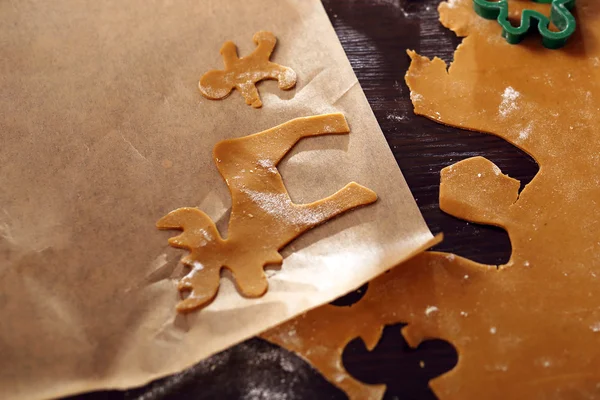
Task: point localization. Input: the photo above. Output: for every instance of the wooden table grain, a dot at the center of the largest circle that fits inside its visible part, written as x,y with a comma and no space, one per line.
375,35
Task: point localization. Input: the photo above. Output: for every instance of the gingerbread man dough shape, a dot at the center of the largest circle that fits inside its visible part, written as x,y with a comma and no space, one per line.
263,217
244,73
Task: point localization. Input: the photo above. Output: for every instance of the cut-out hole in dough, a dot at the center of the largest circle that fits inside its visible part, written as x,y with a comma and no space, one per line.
351,298
405,371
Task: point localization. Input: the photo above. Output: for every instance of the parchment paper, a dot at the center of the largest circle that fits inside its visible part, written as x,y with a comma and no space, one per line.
104,131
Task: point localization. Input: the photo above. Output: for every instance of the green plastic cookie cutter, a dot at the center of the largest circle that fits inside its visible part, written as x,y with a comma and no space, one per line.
560,15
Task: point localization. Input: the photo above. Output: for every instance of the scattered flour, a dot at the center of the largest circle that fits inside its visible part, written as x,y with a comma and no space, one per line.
268,165
286,365
396,117
279,205
415,97
430,310
496,367
198,266
508,104
264,393
524,134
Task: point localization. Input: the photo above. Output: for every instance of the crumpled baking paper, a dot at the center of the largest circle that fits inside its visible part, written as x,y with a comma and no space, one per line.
104,131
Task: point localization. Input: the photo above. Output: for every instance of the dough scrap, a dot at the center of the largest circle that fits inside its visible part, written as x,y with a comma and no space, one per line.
529,329
243,73
263,217
320,335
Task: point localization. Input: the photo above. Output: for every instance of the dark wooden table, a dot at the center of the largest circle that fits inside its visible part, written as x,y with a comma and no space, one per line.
375,35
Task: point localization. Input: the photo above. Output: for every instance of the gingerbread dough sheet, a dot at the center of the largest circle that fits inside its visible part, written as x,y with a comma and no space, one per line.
320,335
244,73
104,132
529,329
263,216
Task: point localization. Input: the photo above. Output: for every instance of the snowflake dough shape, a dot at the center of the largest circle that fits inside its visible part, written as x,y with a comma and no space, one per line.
263,216
244,73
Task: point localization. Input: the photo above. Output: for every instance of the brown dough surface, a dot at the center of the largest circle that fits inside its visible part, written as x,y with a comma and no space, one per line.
320,335
243,73
529,329
263,216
